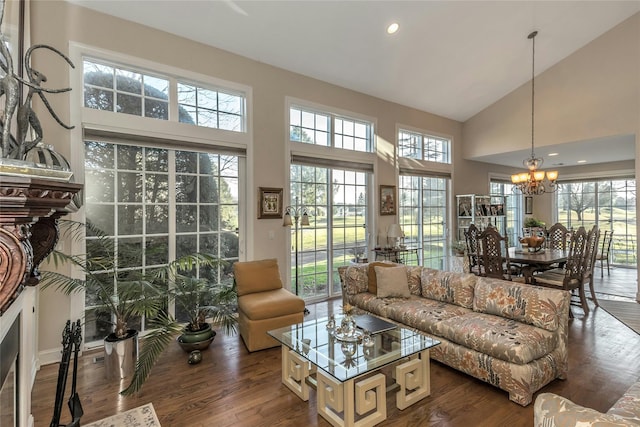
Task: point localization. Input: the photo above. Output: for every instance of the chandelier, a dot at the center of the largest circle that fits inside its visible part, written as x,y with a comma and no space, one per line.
532,182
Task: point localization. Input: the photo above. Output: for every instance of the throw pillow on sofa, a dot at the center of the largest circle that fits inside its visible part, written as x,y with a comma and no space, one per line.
392,282
372,277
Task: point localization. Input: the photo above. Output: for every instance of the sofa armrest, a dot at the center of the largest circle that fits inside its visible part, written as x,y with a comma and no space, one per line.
551,410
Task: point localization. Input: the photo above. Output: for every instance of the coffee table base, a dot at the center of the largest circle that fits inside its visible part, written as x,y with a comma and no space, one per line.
340,403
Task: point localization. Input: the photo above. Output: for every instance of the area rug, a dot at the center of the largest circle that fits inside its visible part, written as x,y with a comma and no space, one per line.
142,416
626,312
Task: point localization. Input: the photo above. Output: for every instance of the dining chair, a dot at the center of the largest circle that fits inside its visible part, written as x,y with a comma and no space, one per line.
495,254
471,235
571,277
557,237
590,260
605,251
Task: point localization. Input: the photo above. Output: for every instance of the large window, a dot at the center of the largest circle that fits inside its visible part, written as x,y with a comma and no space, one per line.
420,146
610,204
120,90
514,208
331,174
129,91
211,108
423,218
330,130
158,204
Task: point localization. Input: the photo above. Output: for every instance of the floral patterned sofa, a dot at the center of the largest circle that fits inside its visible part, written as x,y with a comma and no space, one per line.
551,410
511,335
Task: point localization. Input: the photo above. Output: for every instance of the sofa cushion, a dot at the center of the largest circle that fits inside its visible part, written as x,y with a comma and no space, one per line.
552,410
502,338
392,282
447,286
413,278
256,276
372,278
534,305
423,314
354,278
628,406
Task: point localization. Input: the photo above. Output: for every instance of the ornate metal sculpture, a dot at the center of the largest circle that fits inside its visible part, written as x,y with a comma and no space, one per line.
10,85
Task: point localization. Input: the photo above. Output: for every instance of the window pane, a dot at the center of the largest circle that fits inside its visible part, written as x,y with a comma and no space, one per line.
207,99
186,94
230,122
129,104
230,103
98,74
156,88
98,99
128,81
156,109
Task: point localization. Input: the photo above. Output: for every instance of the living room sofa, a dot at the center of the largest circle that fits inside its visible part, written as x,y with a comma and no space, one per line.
551,410
510,335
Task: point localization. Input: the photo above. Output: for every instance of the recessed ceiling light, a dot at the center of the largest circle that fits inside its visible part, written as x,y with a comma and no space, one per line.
582,161
552,154
393,28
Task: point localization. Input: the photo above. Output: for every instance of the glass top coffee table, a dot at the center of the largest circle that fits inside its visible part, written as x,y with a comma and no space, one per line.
345,372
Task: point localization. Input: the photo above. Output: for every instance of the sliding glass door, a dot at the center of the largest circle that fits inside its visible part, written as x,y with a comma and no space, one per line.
336,234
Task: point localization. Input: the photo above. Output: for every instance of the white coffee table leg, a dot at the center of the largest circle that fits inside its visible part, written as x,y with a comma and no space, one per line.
414,379
338,403
295,371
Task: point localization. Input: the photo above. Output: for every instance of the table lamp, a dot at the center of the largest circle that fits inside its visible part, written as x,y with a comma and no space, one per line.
394,232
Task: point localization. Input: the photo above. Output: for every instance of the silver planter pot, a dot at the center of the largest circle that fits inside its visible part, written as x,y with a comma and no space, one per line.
120,355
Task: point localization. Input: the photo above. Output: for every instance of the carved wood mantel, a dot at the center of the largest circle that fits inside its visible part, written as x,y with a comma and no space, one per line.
29,211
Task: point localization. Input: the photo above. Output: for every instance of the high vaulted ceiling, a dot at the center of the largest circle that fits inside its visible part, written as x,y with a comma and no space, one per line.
450,58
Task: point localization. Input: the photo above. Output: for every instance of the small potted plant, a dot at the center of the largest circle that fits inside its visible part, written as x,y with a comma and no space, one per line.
200,301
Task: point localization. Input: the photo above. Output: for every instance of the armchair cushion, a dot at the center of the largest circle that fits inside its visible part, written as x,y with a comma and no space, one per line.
257,276
270,304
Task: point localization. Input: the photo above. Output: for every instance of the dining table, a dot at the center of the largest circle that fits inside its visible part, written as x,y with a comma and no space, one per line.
531,262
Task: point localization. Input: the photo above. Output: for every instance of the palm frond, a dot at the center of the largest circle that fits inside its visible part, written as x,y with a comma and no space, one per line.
164,329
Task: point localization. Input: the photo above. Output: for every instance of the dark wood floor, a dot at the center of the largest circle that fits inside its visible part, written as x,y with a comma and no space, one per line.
232,387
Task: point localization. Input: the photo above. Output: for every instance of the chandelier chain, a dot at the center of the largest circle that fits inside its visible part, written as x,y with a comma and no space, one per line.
533,89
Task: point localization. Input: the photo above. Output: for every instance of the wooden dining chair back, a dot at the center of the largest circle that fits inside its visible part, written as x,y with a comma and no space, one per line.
471,236
571,277
605,251
589,262
557,237
495,254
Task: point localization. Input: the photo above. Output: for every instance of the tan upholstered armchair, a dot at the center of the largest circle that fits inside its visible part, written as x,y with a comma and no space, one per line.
263,304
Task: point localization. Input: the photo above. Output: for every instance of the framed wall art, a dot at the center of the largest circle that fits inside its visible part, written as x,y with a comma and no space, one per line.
269,203
528,205
387,200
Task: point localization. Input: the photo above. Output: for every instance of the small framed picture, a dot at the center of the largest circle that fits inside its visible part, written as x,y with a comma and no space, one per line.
528,205
387,200
269,203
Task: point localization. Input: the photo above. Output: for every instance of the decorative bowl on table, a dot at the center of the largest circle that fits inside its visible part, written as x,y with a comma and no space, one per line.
532,243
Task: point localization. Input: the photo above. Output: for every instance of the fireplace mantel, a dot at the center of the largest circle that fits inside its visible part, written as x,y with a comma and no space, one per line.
29,210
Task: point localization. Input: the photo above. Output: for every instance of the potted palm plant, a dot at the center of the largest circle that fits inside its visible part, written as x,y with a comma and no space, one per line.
199,301
125,297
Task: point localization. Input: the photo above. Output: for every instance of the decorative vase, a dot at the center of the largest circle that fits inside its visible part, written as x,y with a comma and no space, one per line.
121,355
196,340
348,326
